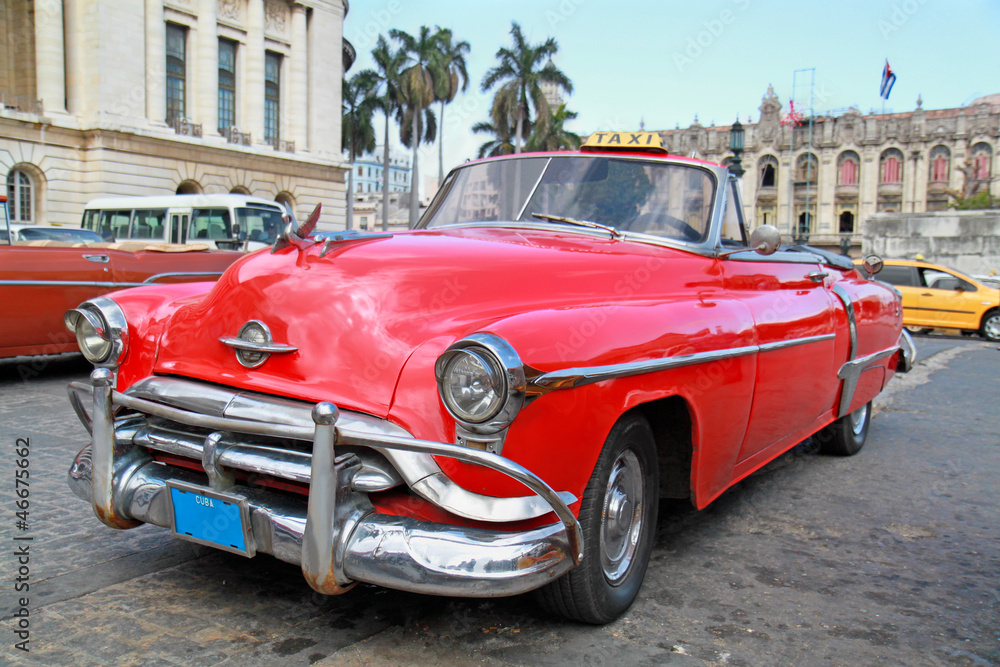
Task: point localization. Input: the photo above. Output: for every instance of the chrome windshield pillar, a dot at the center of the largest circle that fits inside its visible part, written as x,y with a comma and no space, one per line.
106,453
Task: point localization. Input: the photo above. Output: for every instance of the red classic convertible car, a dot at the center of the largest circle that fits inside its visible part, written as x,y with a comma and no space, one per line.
40,279
494,402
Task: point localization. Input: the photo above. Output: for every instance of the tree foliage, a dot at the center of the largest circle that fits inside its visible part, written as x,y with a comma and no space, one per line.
518,76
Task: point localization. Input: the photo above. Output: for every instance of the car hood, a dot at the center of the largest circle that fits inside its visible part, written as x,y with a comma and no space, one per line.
358,313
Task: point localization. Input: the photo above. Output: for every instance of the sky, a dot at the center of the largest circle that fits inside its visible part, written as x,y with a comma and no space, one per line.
662,62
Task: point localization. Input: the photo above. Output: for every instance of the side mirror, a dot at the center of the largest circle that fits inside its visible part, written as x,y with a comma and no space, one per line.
765,239
872,264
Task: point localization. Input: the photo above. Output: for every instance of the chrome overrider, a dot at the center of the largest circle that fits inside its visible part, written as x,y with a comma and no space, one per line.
336,536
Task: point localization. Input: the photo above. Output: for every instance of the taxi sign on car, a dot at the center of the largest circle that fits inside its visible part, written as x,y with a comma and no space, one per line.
627,141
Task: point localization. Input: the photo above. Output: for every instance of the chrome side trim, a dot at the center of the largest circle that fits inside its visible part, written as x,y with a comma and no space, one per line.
909,356
852,322
110,285
805,340
577,377
851,371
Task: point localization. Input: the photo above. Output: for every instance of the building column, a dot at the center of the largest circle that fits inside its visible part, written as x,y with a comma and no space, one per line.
156,63
325,74
206,77
50,68
299,81
253,69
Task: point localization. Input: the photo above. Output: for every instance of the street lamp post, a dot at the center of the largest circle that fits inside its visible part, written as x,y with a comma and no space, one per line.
736,146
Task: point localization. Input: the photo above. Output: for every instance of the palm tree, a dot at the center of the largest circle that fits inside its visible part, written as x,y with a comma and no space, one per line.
520,73
388,63
358,135
552,136
453,77
500,144
416,93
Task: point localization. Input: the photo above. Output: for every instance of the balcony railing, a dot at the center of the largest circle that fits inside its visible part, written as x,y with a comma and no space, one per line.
234,136
847,191
185,127
282,145
891,190
20,103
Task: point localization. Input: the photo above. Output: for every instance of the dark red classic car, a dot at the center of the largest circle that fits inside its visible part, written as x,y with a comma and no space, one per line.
494,402
40,280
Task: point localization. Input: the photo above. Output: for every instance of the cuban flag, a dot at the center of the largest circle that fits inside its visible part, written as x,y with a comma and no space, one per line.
888,79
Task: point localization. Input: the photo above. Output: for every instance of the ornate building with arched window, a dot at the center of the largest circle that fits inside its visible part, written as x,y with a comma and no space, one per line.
113,98
857,165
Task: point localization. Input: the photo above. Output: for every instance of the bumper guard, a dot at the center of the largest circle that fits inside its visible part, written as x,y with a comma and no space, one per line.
336,537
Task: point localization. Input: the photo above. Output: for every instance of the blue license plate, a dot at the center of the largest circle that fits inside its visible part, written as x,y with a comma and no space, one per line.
208,517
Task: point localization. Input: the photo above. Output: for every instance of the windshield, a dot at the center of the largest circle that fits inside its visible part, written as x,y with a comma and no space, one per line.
260,224
650,197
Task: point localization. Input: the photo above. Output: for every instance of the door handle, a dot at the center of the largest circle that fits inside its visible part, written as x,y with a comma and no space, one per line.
926,294
818,276
100,259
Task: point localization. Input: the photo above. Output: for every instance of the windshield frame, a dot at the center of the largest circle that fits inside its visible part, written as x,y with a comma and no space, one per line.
707,246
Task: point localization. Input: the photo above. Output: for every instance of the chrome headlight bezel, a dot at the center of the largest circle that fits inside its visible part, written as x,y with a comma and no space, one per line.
507,374
103,318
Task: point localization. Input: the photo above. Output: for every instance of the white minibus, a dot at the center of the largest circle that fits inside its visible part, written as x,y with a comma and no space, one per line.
227,221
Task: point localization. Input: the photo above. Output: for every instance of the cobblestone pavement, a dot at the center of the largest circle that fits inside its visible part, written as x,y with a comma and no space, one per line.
890,557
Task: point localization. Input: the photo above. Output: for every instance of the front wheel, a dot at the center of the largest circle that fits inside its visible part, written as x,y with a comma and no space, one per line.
847,435
990,329
618,518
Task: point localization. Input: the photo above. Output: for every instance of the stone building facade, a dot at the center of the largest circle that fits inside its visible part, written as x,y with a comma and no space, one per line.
152,97
854,166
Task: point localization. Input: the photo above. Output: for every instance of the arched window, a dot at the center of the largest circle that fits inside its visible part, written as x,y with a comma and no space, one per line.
240,190
188,187
848,166
807,168
287,201
846,222
768,170
940,159
891,166
805,226
20,196
982,155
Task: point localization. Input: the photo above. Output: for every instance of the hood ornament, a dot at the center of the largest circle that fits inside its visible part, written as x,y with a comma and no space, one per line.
298,237
254,344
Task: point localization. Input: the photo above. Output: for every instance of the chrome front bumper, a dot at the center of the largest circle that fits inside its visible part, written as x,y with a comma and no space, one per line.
336,537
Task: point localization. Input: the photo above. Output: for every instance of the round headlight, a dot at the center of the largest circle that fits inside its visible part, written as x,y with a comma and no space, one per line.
100,329
473,385
92,337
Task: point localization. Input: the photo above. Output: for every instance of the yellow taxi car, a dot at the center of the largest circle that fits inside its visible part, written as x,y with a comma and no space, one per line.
939,297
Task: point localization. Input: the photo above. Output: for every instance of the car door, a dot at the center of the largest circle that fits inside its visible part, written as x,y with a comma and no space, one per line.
906,280
947,300
38,285
796,383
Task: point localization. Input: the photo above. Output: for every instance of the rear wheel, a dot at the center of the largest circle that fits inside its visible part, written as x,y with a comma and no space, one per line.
990,329
847,435
618,518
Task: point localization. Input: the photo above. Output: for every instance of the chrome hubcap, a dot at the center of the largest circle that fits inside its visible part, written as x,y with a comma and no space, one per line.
621,519
992,327
858,418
